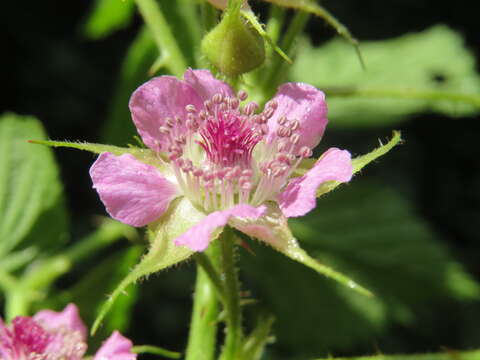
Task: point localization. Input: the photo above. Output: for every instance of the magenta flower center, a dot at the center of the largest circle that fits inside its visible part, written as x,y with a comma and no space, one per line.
220,155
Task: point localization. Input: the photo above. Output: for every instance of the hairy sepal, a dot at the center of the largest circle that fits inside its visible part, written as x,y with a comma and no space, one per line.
146,156
358,163
276,233
163,252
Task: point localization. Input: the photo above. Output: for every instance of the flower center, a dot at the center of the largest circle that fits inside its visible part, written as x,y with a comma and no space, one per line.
216,159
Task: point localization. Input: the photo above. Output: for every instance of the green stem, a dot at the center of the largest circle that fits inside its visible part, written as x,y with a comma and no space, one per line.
272,78
162,34
233,340
203,325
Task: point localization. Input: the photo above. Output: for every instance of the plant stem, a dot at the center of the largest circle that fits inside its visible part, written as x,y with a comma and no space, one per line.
272,78
162,34
233,312
203,325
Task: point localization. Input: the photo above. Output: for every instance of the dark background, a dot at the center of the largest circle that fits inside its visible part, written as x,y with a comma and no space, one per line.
51,71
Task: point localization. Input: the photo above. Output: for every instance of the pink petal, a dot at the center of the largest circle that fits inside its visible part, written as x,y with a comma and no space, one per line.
68,319
206,85
116,347
158,99
299,197
198,237
133,192
305,103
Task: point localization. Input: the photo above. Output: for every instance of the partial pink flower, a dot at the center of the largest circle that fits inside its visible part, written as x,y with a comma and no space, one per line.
221,153
51,335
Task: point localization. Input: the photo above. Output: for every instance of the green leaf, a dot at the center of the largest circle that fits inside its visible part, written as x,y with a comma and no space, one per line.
31,195
163,252
108,16
426,71
372,234
445,355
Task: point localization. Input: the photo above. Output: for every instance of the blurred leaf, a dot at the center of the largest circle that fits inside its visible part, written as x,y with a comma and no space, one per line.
108,16
448,354
163,252
32,209
372,234
426,71
89,294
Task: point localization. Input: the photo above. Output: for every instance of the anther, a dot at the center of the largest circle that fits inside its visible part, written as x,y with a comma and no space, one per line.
242,95
190,108
305,152
164,130
294,139
294,125
217,98
169,122
282,120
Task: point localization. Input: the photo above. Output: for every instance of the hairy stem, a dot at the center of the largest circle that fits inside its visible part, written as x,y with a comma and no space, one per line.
233,312
203,325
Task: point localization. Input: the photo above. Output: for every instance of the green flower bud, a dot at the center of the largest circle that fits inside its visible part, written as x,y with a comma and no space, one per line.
233,46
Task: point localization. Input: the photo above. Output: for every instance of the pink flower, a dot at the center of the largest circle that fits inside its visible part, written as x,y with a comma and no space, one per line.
234,164
50,335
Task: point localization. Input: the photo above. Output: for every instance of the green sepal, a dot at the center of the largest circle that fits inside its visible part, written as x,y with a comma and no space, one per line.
163,252
146,156
358,163
277,234
252,19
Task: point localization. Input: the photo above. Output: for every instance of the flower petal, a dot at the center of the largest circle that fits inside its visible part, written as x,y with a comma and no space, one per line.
302,102
299,196
116,347
198,236
206,85
133,192
158,99
68,319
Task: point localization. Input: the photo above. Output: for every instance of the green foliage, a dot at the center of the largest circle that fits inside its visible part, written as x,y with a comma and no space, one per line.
372,234
427,71
107,16
31,195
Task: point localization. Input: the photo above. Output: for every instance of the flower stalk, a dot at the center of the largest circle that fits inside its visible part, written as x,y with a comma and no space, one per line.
203,325
232,306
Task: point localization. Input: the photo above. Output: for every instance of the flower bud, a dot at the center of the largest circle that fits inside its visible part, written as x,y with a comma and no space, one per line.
233,46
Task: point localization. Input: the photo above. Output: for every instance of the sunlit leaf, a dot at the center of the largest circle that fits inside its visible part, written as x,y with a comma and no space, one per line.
31,195
426,71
